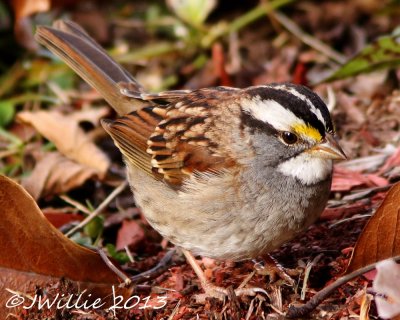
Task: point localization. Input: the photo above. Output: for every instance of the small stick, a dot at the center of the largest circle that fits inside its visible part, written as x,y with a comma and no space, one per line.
99,209
113,268
308,39
76,204
159,269
297,312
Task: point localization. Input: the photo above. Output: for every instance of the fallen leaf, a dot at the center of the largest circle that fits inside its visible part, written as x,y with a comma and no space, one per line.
345,180
193,12
92,115
380,238
387,285
64,131
22,28
377,180
58,218
55,174
348,210
391,162
34,253
129,234
25,8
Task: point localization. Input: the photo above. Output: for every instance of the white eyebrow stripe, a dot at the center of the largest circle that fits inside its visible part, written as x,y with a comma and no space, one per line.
271,112
297,94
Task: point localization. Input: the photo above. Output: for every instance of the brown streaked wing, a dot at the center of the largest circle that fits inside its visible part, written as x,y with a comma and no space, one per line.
171,142
181,143
131,133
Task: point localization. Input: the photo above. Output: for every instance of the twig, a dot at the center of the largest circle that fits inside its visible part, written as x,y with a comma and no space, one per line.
256,13
308,39
113,268
76,204
175,311
160,268
99,209
243,21
129,254
297,312
307,274
250,310
247,279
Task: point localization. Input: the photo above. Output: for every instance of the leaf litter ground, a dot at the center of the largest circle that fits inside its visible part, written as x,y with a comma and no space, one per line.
367,116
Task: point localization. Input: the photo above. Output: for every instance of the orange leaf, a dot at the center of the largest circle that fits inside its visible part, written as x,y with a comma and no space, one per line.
380,238
22,28
25,8
34,253
130,234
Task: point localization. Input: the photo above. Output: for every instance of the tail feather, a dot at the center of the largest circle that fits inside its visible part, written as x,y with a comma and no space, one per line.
74,46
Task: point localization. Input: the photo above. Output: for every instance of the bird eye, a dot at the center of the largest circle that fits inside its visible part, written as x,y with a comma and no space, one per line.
289,137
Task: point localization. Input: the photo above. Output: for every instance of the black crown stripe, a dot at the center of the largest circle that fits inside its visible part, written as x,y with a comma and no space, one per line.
294,104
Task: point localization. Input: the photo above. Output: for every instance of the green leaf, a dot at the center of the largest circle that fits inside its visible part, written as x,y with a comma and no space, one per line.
121,257
40,71
7,112
193,12
383,53
82,240
95,227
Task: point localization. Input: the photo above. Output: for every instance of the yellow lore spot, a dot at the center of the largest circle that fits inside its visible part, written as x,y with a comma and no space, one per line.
307,131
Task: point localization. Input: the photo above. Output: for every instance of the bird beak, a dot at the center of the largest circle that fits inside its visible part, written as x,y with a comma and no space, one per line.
329,148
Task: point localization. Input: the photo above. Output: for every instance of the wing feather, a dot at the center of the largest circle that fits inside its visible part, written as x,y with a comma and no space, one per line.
171,142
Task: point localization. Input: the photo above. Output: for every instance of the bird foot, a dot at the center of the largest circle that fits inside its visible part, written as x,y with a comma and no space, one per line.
220,293
275,271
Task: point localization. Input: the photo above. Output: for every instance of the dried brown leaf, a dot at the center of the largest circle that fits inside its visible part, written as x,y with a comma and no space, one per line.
25,8
34,253
55,174
130,234
64,131
60,217
22,27
380,238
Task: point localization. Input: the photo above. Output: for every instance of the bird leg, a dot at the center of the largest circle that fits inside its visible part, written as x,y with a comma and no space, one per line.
212,290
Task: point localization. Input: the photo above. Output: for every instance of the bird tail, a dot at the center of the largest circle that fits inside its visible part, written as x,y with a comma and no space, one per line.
85,56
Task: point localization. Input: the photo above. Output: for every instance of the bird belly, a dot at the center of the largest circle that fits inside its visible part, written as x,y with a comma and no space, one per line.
208,218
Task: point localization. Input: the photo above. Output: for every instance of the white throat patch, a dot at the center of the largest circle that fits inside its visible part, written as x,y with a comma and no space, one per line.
307,168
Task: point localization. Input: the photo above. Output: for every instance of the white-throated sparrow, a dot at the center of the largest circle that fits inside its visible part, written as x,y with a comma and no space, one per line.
222,172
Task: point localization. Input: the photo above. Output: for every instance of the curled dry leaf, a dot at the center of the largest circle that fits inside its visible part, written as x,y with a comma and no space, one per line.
55,174
22,28
345,180
130,234
25,8
64,131
380,238
60,217
34,253
387,285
